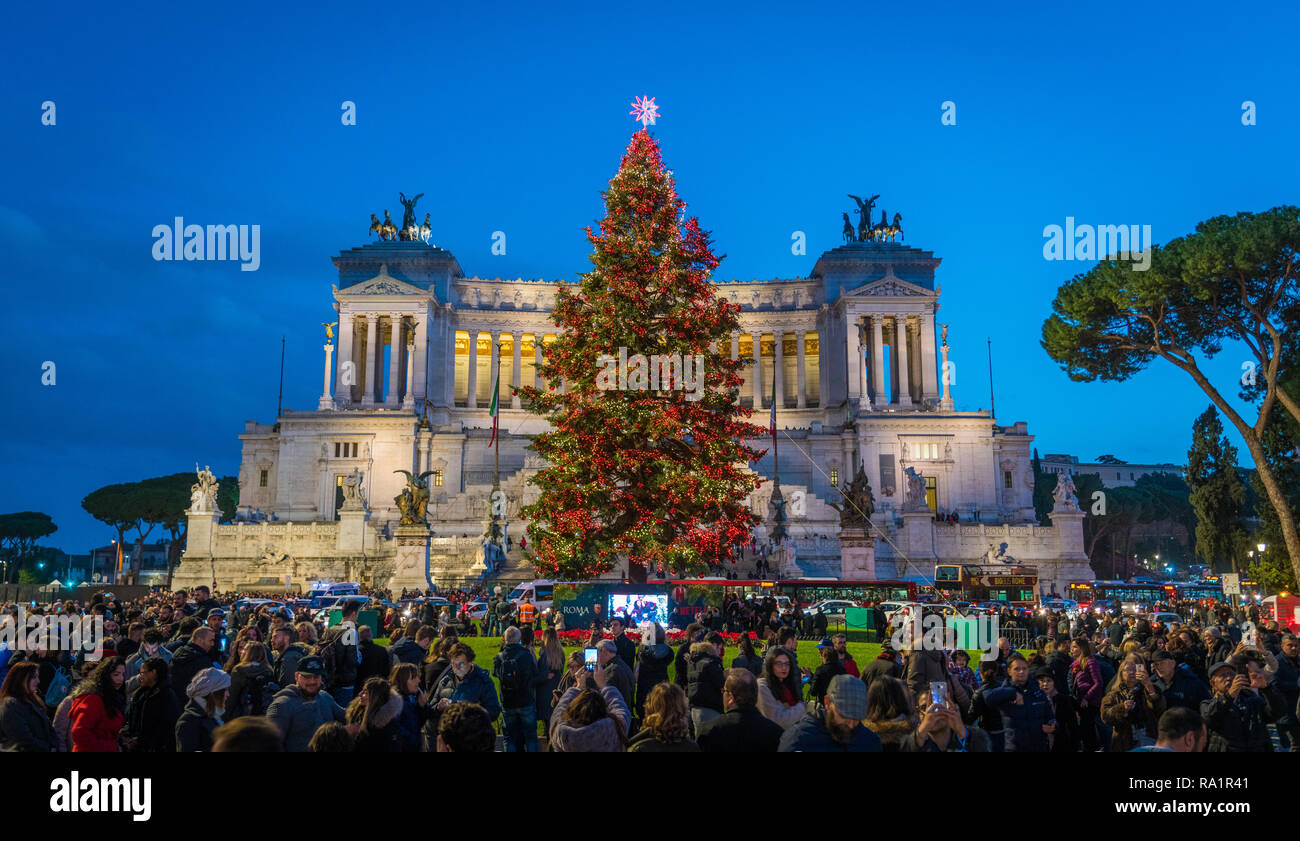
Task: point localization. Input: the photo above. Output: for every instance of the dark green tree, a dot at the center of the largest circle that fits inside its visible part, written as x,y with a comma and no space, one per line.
1217,494
18,535
1234,280
1044,486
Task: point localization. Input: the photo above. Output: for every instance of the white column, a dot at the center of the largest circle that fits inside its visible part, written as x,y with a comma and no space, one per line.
419,389
853,359
472,400
802,382
864,342
325,401
537,360
517,341
904,376
778,363
343,393
372,338
408,402
395,346
757,339
927,384
878,358
735,354
495,366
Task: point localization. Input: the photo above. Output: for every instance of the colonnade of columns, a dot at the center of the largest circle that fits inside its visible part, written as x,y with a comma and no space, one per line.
911,366
357,381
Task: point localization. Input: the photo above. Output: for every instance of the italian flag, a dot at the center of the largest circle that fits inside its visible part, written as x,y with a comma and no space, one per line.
495,410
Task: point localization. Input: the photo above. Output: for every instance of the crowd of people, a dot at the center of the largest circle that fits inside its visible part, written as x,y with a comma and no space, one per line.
190,672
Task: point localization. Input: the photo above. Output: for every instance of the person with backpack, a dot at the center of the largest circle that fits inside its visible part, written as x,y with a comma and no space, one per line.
252,684
516,670
341,655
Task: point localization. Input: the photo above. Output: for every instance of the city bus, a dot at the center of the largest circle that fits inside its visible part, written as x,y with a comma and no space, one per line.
1194,590
1130,596
807,591
1010,583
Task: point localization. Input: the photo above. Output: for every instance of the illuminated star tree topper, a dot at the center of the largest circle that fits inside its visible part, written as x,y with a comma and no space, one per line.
645,110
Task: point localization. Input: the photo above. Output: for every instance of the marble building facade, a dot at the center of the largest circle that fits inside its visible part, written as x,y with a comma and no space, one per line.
852,350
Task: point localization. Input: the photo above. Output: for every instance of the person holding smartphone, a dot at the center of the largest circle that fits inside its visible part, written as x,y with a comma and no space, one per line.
1132,706
1243,705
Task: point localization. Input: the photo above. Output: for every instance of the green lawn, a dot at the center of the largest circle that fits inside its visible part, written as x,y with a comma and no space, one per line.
485,648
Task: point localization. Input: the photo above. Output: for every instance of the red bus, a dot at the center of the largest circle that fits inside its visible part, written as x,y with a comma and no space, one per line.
1010,583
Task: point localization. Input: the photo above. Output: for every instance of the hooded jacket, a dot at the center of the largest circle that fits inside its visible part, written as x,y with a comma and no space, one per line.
894,734
655,660
244,679
521,693
810,734
285,663
188,661
705,678
194,728
1022,723
299,717
136,660
477,688
599,736
406,651
384,735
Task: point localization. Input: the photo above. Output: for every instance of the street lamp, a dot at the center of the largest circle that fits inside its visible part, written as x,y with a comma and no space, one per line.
1261,547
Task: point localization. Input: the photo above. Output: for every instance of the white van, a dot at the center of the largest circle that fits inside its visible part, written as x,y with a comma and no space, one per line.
540,593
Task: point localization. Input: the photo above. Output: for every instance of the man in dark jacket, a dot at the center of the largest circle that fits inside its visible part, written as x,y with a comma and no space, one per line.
1287,684
625,647
742,728
339,652
705,677
414,649
192,658
885,665
285,654
376,660
835,726
1027,716
1179,684
1239,712
516,670
204,603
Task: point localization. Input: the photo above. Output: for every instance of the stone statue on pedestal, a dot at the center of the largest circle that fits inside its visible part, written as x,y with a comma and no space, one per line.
1065,495
203,493
859,503
914,489
352,491
413,501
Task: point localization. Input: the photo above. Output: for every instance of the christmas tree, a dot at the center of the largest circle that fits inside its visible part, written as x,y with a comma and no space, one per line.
646,457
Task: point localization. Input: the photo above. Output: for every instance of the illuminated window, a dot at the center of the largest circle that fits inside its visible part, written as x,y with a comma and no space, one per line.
835,478
437,478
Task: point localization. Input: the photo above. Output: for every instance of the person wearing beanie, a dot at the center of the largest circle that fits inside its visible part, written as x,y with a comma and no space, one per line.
207,693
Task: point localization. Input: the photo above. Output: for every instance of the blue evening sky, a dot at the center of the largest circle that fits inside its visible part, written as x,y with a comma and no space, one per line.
513,116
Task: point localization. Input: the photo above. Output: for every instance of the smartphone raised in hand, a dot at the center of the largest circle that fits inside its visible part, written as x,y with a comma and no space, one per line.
589,659
938,693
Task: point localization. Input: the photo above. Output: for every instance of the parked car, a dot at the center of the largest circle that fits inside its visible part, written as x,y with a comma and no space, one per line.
832,609
1167,619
